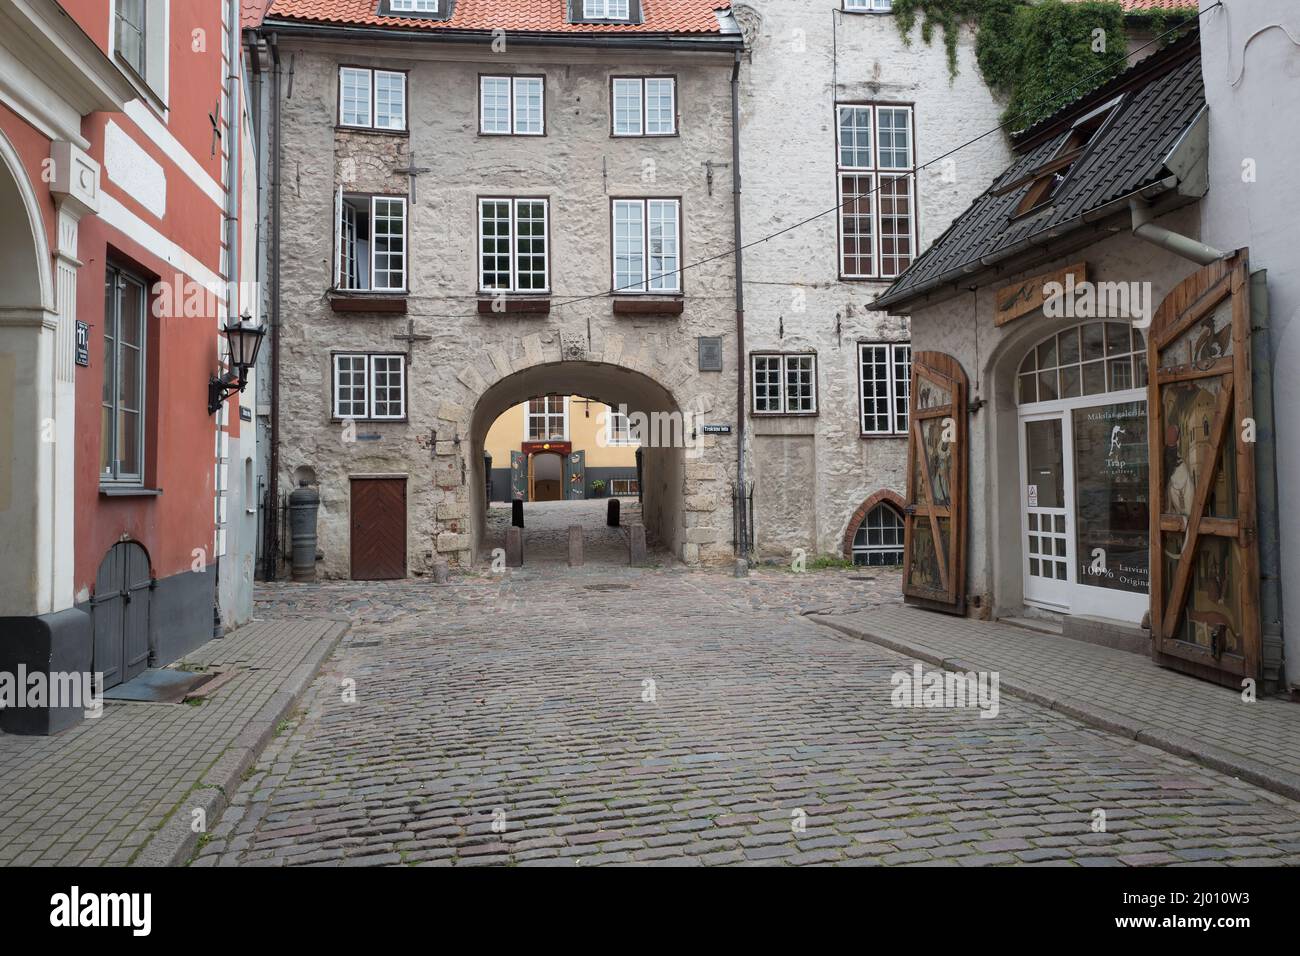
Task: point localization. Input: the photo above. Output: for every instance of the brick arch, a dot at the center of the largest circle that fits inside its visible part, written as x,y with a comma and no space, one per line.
884,495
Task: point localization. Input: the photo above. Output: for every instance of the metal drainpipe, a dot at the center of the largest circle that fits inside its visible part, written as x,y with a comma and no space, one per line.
273,476
1178,244
1266,505
742,538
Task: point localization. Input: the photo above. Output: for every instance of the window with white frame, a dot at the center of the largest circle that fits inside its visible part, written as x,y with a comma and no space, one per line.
784,383
413,6
139,40
512,105
878,541
371,243
606,9
624,486
131,18
618,428
644,105
876,170
513,252
886,378
869,6
369,386
647,245
372,99
122,431
547,419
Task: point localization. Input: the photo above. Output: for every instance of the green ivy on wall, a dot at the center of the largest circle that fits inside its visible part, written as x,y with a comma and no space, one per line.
1033,51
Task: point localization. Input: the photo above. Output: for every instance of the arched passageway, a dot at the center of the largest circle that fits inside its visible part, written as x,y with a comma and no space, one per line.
665,451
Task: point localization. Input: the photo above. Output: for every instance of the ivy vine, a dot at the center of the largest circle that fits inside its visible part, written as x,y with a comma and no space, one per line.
1033,51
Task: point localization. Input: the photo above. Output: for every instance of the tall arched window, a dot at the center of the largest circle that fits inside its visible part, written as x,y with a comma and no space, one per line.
879,539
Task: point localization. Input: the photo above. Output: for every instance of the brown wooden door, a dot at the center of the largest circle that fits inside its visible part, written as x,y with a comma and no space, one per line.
1204,550
934,536
378,529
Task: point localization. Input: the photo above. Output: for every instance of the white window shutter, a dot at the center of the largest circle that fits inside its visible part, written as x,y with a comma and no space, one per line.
338,237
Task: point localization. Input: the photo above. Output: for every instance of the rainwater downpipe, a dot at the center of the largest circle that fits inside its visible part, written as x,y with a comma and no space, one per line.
742,536
1174,242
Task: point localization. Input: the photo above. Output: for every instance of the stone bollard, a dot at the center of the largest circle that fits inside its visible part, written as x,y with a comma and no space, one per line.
517,513
441,571
575,545
611,512
514,547
742,568
636,545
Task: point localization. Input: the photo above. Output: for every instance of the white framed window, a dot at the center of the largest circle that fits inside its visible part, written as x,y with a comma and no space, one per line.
372,99
643,105
369,386
547,418
784,383
869,6
624,486
878,541
413,6
876,173
885,375
122,431
618,429
371,243
606,9
139,39
647,245
514,253
512,105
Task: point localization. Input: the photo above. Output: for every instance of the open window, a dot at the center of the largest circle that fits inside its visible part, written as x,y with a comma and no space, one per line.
371,254
1048,177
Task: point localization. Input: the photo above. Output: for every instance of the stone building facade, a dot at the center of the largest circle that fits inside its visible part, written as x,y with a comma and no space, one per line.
808,63
460,354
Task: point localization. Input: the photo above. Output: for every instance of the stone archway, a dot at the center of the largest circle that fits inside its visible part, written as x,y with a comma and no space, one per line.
673,493
27,397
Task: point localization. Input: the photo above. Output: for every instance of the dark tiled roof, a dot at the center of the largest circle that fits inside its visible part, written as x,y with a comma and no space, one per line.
1161,97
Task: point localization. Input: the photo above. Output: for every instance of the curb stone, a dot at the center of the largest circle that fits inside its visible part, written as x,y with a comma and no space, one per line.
174,842
1236,765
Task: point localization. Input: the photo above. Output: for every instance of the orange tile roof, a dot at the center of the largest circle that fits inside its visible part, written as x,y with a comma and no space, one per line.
523,16
1141,6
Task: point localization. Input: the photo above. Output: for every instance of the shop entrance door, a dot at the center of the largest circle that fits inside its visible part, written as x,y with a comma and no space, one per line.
1047,521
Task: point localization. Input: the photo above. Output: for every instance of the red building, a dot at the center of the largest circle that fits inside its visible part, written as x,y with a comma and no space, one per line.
121,124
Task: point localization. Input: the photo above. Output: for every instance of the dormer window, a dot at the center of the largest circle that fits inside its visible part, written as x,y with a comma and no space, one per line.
1047,178
413,6
620,10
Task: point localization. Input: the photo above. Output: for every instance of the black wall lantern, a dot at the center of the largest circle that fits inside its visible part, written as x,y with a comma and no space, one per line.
243,339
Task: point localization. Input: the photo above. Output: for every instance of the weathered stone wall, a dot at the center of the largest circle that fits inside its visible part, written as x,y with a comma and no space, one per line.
578,166
805,56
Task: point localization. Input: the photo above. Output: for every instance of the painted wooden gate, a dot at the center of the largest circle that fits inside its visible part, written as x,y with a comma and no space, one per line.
934,536
1204,548
378,529
120,612
518,476
575,475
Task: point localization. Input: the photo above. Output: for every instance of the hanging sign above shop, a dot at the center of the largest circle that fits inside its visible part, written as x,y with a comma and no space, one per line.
1021,298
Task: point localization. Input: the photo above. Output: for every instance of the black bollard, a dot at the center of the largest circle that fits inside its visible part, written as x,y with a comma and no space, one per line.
611,517
517,513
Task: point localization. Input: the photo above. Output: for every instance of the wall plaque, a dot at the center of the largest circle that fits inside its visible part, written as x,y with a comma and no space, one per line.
1021,298
710,353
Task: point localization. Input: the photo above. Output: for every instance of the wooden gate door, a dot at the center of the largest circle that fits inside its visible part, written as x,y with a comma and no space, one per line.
575,472
378,529
1204,549
120,613
934,536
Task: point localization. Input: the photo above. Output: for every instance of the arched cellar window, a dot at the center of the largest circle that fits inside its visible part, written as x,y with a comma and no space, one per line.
879,539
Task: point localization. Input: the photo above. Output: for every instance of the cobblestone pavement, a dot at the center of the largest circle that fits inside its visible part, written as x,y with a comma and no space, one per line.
615,715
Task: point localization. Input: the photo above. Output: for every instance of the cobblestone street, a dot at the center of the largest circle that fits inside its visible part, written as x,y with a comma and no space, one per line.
613,715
